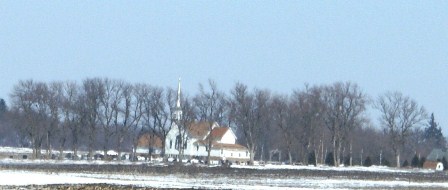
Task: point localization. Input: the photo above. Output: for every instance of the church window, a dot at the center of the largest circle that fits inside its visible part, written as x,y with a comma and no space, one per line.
178,144
171,143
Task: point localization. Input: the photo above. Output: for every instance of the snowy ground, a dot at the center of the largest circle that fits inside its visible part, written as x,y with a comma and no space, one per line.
23,178
337,177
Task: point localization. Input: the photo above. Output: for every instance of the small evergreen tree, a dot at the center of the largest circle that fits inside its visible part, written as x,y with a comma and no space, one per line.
3,107
329,159
386,162
433,134
421,162
368,162
415,161
312,158
445,163
405,163
347,161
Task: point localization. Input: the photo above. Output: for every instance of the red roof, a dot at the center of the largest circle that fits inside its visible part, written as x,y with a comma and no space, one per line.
217,133
199,129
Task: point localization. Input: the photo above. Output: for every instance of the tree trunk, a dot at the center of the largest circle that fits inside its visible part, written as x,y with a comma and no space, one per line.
61,148
398,159
48,149
120,140
75,150
91,144
335,159
290,157
61,153
351,155
106,142
252,155
209,145
338,153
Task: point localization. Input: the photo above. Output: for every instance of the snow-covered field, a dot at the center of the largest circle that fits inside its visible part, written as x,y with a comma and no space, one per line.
23,177
382,169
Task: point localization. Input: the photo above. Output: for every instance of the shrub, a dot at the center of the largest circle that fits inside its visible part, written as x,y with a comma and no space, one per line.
329,159
312,158
415,161
368,162
445,164
405,163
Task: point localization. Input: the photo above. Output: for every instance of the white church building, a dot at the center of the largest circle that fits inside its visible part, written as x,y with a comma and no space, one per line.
194,140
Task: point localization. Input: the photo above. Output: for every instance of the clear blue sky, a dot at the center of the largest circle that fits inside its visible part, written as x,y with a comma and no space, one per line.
280,45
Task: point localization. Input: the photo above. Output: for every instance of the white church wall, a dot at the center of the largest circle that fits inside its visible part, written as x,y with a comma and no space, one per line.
228,137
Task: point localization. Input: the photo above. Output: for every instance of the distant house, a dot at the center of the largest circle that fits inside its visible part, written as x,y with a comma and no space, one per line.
433,160
195,137
433,165
149,144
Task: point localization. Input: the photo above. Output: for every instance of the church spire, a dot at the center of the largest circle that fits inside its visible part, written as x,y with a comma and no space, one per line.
178,95
177,115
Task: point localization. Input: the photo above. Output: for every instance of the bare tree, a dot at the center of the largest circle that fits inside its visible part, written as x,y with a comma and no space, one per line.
71,119
345,105
210,106
93,93
165,115
136,128
109,103
153,105
251,115
307,106
125,116
399,115
30,101
131,112
55,130
281,111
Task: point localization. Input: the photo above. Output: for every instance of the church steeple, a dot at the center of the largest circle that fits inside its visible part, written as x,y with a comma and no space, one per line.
177,115
178,95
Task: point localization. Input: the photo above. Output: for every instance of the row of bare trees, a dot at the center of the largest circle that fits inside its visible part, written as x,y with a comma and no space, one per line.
111,110
305,125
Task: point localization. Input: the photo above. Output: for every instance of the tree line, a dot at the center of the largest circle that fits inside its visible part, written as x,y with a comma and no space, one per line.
314,124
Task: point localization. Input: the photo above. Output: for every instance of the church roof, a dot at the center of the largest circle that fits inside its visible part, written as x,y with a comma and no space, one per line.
198,130
218,132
